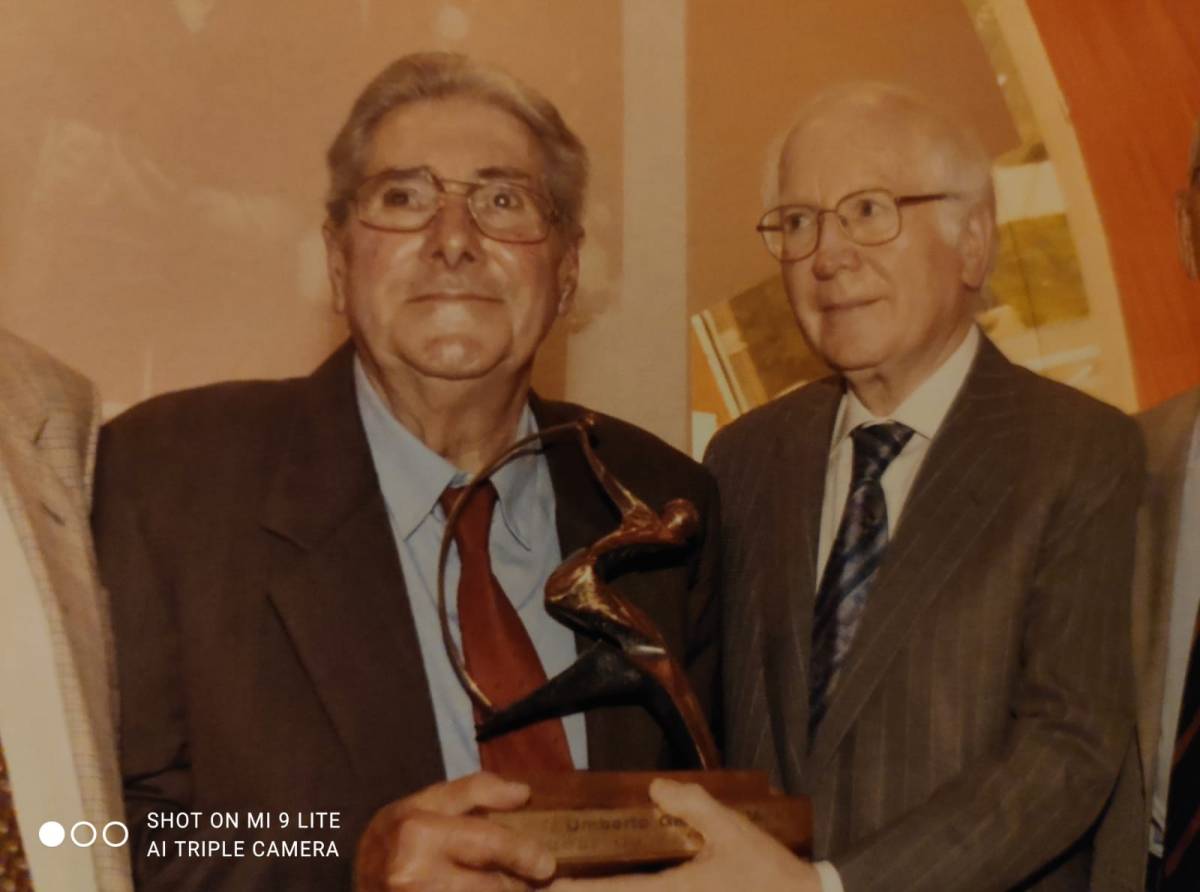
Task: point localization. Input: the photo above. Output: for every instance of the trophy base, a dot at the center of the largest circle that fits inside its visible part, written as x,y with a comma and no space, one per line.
599,823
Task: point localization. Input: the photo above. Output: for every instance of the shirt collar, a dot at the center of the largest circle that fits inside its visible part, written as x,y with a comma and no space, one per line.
523,491
413,476
926,407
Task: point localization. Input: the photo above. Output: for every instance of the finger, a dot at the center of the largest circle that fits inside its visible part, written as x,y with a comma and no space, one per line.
465,794
479,844
461,880
506,883
693,804
667,881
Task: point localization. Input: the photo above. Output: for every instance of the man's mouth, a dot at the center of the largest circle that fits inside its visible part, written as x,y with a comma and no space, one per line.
846,304
454,296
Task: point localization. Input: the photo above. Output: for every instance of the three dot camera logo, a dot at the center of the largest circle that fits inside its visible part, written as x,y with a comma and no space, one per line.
84,834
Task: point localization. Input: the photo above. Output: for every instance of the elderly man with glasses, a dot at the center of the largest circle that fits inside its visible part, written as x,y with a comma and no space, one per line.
273,547
927,556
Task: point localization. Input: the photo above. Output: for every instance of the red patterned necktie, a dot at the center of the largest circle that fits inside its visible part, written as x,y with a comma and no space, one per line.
496,647
14,871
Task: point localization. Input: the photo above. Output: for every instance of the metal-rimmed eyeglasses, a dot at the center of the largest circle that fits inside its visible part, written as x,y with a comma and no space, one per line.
407,200
867,217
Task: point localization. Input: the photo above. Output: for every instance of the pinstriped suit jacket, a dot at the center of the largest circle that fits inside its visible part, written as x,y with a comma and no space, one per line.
978,724
48,423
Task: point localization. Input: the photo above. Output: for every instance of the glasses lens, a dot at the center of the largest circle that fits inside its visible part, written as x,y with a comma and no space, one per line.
404,204
790,232
508,212
869,218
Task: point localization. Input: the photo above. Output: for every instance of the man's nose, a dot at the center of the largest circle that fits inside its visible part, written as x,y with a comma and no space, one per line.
452,235
835,250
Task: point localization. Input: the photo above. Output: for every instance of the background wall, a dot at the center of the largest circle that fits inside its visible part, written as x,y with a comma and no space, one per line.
1087,109
1130,75
163,177
162,166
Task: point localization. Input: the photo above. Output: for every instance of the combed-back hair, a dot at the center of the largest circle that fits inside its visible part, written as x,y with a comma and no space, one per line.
423,76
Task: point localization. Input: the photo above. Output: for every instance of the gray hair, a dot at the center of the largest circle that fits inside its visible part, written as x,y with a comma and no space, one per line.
955,157
421,76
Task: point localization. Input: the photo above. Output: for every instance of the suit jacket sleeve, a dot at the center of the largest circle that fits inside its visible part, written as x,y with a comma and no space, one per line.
154,753
1010,815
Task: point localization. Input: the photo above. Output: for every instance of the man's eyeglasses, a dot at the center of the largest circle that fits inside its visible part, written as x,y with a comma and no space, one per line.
406,201
870,217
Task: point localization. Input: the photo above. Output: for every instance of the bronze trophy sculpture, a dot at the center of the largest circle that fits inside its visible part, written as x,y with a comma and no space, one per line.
603,822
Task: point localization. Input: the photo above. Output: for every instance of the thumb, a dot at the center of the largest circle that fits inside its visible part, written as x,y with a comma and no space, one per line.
465,794
693,804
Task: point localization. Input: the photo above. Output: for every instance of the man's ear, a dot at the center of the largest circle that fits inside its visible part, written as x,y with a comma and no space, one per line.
568,278
335,263
1189,251
975,243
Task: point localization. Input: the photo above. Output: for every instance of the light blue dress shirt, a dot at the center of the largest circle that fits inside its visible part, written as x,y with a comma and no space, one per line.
524,550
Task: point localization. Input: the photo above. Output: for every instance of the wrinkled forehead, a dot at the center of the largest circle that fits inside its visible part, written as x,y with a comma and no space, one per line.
835,151
459,137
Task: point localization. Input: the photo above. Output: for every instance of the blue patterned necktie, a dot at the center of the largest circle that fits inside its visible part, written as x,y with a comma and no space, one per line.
857,550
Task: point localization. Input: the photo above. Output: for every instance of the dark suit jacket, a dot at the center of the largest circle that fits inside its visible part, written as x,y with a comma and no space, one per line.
984,705
268,658
1122,841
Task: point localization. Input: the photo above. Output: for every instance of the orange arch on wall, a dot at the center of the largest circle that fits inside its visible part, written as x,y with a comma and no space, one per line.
1130,73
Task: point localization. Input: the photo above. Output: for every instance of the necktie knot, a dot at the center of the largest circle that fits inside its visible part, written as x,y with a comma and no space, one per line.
473,527
853,561
875,446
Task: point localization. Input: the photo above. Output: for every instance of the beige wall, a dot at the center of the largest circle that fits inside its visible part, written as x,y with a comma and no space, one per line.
162,178
162,166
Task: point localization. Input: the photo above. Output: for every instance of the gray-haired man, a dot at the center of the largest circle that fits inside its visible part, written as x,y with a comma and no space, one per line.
272,546
926,556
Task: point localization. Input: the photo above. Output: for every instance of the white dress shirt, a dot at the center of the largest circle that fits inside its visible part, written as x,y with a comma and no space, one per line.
33,727
1185,603
923,411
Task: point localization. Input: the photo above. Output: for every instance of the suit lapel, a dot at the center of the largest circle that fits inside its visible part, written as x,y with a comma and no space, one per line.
51,525
340,590
962,483
804,459
56,541
59,547
24,426
794,514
